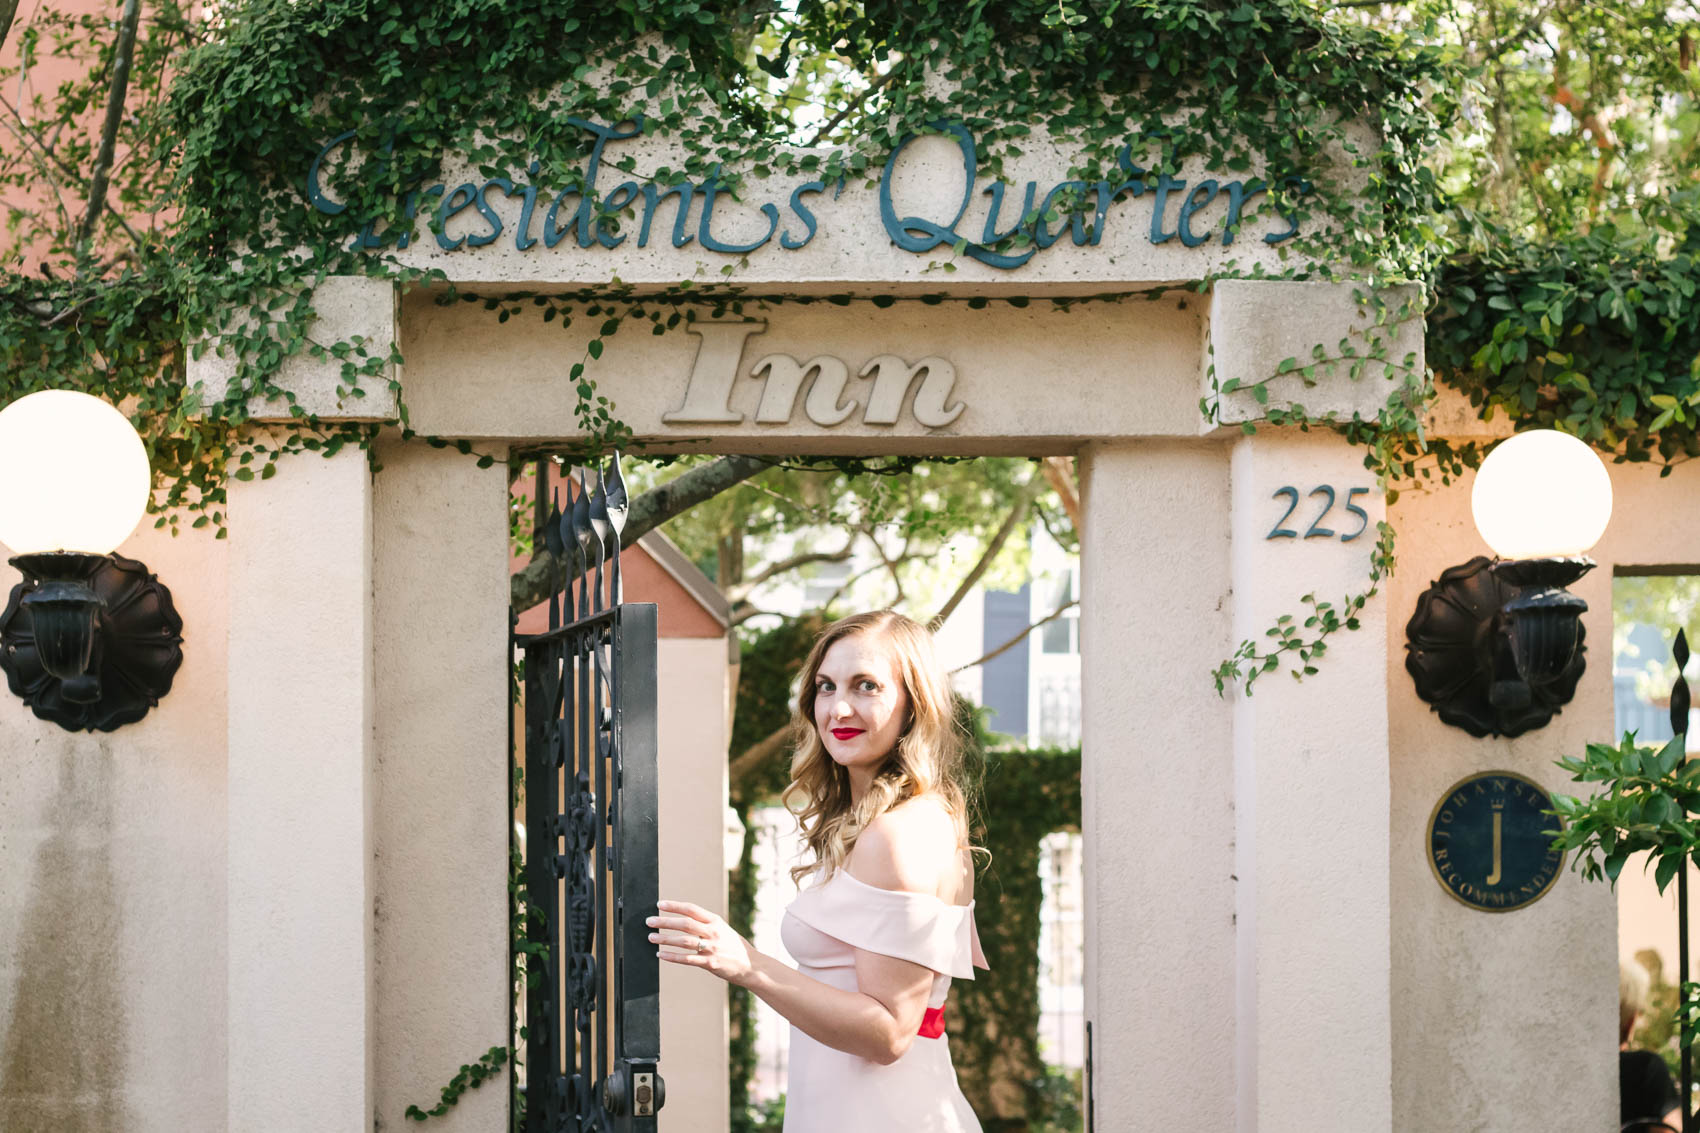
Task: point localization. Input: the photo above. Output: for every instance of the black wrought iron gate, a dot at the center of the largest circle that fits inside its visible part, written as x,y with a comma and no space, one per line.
593,1018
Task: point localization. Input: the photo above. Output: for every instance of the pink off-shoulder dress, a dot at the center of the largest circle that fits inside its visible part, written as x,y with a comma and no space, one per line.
831,1091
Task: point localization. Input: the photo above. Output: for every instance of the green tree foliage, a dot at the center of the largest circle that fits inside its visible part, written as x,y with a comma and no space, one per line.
768,665
920,524
1645,803
1567,297
767,672
51,117
91,296
994,1020
1572,112
1668,602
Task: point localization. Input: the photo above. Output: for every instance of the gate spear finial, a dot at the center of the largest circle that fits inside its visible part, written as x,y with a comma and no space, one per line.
618,506
575,528
1679,700
596,528
551,534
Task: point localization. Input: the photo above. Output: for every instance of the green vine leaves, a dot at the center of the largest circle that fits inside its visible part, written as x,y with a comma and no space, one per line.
1597,334
1387,422
1185,82
1301,641
1642,805
491,1064
511,114
1261,90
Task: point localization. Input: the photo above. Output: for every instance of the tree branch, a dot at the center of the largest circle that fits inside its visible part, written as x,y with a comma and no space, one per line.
850,108
798,560
1016,514
8,12
27,134
122,52
1020,637
844,586
747,764
1059,473
743,612
1505,42
664,501
891,565
540,577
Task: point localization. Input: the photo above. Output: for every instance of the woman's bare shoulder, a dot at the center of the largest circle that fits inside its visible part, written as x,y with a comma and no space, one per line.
911,848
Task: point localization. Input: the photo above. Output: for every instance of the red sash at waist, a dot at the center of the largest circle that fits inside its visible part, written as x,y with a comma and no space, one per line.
932,1023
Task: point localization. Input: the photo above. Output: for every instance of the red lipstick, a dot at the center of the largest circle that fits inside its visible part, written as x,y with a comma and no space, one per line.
845,733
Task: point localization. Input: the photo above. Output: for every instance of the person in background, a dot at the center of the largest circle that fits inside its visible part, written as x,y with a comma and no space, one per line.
1644,1084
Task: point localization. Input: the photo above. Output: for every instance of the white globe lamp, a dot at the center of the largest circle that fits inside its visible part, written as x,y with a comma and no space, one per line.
1496,645
1541,495
89,639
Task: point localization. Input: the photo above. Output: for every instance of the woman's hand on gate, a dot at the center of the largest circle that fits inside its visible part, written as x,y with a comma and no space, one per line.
691,935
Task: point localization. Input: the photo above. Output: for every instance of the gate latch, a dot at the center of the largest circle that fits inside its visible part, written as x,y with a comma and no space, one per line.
647,1095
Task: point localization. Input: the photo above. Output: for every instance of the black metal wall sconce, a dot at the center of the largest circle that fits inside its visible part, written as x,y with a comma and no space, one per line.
89,639
1496,645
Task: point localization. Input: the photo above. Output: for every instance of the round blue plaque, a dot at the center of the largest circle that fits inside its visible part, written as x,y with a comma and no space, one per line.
1490,841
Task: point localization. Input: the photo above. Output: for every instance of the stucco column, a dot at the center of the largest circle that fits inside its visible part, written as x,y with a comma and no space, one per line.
300,802
1311,797
1157,786
440,642
693,675
301,748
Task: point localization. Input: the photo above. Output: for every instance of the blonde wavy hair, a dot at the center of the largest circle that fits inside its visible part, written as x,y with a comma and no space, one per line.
929,759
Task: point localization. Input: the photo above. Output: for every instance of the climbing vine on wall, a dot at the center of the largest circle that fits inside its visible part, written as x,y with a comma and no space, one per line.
1244,86
1592,333
1266,90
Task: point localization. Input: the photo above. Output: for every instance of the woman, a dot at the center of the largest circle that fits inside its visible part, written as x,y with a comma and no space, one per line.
890,919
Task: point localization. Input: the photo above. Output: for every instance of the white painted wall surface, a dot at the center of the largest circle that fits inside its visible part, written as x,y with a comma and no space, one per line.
1310,803
693,679
1033,380
1157,803
1478,998
440,834
112,909
851,250
300,667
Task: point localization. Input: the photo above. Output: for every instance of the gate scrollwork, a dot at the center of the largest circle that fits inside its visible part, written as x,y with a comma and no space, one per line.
592,1049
